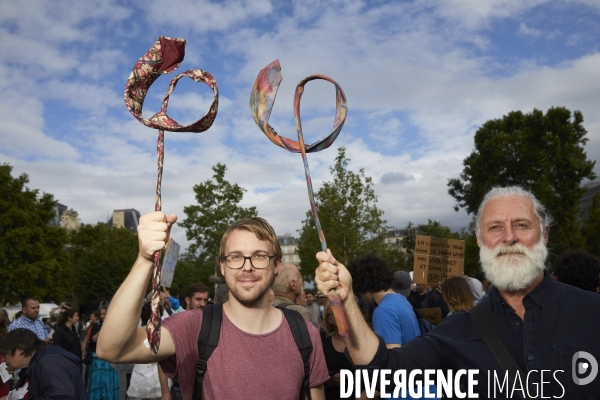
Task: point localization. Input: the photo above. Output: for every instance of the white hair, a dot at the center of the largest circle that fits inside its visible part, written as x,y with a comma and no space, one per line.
498,191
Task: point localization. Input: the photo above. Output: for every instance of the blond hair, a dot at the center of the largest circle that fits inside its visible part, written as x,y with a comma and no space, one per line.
457,294
261,229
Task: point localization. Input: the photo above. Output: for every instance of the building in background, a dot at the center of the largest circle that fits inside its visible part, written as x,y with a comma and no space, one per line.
393,238
70,221
129,219
59,210
289,248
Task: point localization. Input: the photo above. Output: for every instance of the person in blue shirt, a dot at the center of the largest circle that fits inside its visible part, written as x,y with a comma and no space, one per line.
29,319
394,319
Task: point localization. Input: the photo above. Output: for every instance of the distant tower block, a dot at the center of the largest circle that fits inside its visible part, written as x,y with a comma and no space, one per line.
128,219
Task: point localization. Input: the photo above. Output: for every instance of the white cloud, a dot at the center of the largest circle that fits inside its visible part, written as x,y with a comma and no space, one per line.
22,131
525,30
202,15
425,75
474,14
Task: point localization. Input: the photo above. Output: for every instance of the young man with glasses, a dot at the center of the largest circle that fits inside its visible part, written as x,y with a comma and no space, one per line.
256,357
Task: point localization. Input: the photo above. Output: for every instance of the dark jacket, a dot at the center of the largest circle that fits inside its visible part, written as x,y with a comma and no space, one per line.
53,373
560,331
68,339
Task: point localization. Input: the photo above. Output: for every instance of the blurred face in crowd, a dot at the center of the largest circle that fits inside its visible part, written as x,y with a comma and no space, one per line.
198,300
102,313
310,299
322,300
74,319
421,288
512,246
248,285
31,310
16,361
93,318
301,299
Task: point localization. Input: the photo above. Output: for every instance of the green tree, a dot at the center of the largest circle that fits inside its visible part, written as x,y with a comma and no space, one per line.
591,227
542,153
33,259
349,217
395,259
218,207
472,266
102,258
188,271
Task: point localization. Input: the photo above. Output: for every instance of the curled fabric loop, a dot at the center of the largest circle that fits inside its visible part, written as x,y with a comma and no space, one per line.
163,58
262,99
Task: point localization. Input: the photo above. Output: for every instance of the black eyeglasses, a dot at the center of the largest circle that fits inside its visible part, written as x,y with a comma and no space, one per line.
258,261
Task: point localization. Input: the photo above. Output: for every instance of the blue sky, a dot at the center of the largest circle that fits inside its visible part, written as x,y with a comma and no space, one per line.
420,78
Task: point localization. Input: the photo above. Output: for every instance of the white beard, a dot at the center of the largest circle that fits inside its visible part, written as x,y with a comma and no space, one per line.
517,268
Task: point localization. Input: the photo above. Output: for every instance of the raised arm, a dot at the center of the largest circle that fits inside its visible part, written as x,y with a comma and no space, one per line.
120,340
362,343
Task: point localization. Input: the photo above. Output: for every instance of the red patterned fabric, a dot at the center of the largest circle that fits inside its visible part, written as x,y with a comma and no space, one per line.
163,58
261,103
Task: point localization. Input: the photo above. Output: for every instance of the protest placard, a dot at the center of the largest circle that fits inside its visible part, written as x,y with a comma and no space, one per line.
433,315
437,259
169,262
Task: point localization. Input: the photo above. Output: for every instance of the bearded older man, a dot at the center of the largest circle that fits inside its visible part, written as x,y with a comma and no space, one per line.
547,328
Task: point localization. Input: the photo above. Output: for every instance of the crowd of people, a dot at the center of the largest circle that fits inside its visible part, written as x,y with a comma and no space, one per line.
258,353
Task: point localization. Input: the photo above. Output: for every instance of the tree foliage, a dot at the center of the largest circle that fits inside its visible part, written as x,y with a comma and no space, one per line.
33,259
542,153
472,266
395,259
591,227
189,270
102,258
349,217
218,207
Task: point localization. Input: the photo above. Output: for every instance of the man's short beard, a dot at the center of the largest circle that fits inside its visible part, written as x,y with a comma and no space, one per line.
253,298
517,269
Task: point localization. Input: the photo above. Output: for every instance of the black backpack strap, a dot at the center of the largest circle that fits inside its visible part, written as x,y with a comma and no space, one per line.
484,326
302,339
207,342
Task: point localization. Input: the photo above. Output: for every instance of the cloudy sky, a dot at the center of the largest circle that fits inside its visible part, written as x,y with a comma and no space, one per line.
420,78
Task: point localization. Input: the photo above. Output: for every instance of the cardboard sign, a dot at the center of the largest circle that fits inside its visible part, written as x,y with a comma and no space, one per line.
437,259
169,262
433,315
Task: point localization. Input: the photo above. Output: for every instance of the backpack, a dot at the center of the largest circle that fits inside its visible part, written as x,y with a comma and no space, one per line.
209,339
